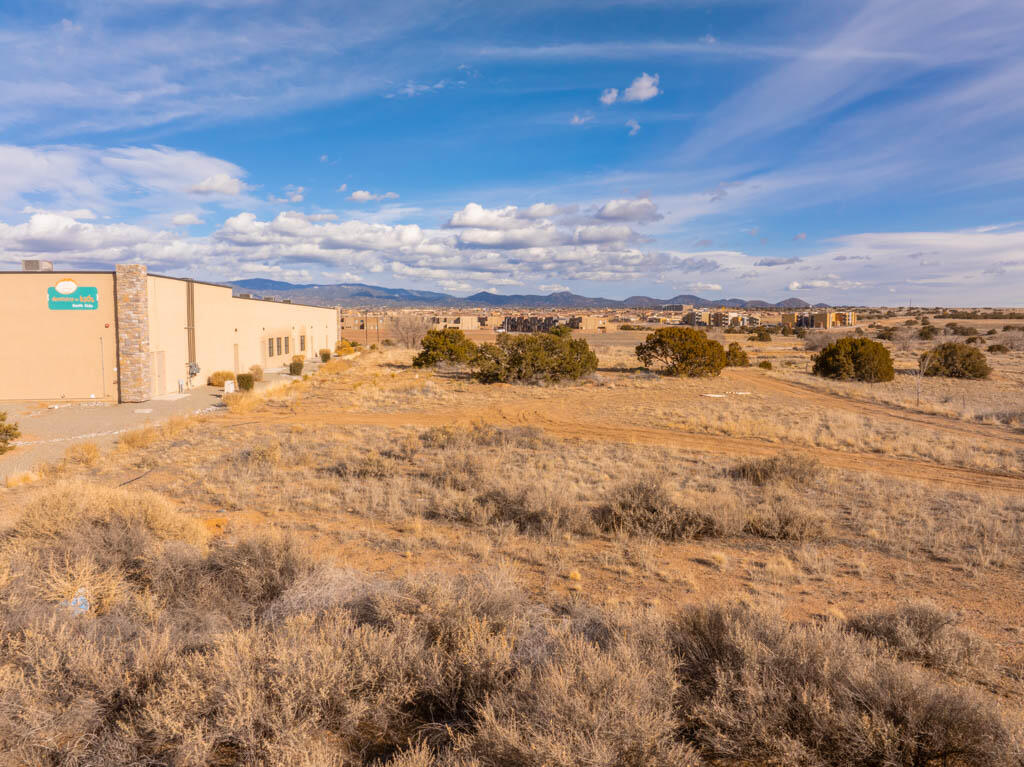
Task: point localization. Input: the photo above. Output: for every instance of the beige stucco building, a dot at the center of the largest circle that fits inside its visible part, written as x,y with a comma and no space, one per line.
128,336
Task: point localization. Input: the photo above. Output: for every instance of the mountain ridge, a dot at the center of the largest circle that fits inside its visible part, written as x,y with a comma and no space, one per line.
360,294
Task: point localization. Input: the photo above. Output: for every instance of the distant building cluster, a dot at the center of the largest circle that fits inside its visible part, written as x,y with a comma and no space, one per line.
372,326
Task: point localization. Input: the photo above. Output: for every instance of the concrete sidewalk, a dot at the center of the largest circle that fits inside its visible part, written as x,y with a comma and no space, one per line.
48,428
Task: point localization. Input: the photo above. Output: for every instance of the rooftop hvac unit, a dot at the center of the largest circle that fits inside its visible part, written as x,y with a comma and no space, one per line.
244,295
35,265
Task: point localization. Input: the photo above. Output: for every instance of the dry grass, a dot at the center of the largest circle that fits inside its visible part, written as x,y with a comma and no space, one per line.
248,651
534,600
83,454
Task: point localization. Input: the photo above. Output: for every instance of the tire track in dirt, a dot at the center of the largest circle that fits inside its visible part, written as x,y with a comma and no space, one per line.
805,394
557,425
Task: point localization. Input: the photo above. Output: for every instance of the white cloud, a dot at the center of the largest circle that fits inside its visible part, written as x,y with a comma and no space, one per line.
709,39
155,179
323,158
186,219
219,183
596,233
643,88
642,209
343,187
634,127
540,210
291,194
82,214
581,120
411,89
609,96
705,286
800,236
361,195
809,284
553,288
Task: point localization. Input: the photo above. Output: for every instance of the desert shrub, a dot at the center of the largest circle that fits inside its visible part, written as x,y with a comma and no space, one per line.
298,358
532,358
886,334
961,330
246,381
295,367
925,634
343,348
218,378
760,333
243,652
754,689
735,357
83,453
860,359
531,506
484,435
446,345
927,332
325,355
562,331
781,520
257,373
682,352
138,438
644,506
8,433
975,340
998,349
814,342
765,364
788,467
954,360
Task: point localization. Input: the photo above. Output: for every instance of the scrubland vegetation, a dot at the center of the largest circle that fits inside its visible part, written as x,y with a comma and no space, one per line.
395,565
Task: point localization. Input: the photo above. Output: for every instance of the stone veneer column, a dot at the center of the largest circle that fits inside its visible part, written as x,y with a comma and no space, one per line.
133,364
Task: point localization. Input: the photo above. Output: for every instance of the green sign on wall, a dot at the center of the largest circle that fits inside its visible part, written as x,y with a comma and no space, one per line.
67,295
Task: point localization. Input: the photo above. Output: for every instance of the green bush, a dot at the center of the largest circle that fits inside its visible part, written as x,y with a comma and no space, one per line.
682,352
533,357
8,433
928,332
245,381
562,331
447,345
998,349
257,372
325,355
295,368
859,359
218,378
765,364
954,360
735,357
760,334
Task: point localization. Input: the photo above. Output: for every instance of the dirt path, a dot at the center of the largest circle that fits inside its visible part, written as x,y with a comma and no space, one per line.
805,394
560,420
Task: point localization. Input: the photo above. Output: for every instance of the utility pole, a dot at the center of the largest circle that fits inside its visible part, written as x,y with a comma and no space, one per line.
366,329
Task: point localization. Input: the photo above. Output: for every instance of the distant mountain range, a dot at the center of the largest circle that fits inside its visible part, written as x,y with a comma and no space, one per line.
356,294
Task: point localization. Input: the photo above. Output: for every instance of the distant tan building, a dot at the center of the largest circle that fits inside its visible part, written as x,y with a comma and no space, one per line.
127,335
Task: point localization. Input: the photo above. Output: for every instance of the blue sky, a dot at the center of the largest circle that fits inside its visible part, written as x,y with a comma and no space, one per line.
849,151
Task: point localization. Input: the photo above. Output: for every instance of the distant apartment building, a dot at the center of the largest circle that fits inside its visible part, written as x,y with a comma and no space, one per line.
528,324
586,322
460,321
697,317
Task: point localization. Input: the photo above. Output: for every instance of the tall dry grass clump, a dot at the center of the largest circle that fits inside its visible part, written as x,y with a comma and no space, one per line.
193,651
